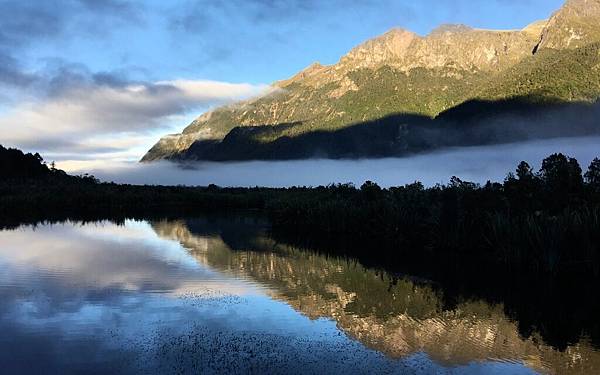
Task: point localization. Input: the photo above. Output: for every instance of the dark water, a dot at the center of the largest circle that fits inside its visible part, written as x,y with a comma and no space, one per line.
204,296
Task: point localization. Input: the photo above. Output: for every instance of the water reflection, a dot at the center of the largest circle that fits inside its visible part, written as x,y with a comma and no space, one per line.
219,295
397,317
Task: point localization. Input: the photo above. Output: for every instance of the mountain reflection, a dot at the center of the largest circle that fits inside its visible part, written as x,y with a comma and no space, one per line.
396,316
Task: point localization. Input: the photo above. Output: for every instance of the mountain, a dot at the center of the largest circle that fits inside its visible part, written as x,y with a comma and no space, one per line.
386,95
573,26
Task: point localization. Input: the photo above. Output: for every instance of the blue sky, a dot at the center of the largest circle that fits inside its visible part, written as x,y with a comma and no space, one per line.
84,80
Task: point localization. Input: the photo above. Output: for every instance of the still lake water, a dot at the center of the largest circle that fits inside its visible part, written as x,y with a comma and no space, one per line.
205,296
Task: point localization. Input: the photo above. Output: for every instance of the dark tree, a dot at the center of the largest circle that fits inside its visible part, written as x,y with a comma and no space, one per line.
457,183
521,190
561,174
524,171
562,181
370,190
592,176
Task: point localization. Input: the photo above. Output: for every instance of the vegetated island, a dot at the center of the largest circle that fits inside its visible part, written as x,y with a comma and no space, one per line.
546,222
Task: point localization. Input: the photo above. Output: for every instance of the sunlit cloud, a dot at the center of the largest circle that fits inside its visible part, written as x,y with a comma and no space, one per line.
101,119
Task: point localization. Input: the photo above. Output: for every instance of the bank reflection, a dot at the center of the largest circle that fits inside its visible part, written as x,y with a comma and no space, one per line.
398,317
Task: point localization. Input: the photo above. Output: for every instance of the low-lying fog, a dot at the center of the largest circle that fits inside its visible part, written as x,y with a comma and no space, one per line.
477,164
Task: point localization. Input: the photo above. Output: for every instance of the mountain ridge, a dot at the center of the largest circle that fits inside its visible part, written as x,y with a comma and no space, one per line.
402,72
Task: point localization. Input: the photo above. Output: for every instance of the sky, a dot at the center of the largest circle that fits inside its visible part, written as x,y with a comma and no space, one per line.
90,82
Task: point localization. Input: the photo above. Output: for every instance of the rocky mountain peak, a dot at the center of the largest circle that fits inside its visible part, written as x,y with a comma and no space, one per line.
536,28
308,72
583,8
572,26
446,29
390,46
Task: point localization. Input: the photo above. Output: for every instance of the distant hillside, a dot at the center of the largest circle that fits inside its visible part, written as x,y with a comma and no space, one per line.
408,78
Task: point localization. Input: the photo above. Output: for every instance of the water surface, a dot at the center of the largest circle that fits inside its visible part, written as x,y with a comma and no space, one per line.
206,296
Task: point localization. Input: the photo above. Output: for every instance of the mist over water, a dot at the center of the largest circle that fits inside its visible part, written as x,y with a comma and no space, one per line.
477,164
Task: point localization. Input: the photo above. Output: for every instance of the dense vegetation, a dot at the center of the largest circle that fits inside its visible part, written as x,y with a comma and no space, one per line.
547,221
550,75
30,190
471,123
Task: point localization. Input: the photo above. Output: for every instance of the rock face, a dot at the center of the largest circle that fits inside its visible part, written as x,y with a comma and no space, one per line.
399,72
574,25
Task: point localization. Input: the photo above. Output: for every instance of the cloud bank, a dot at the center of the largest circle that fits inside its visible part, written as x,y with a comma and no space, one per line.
77,115
478,164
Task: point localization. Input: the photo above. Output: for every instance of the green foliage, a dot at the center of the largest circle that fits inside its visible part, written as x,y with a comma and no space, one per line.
378,93
419,91
550,76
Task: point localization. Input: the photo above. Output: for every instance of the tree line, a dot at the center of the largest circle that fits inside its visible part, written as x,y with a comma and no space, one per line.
545,221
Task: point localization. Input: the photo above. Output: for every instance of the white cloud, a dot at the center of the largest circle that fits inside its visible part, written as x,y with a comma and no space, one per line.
102,119
477,164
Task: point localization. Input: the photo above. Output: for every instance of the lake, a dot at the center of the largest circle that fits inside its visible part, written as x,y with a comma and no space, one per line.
220,295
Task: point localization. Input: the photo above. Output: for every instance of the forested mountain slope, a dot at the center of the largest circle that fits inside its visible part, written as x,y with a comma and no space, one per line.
404,81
